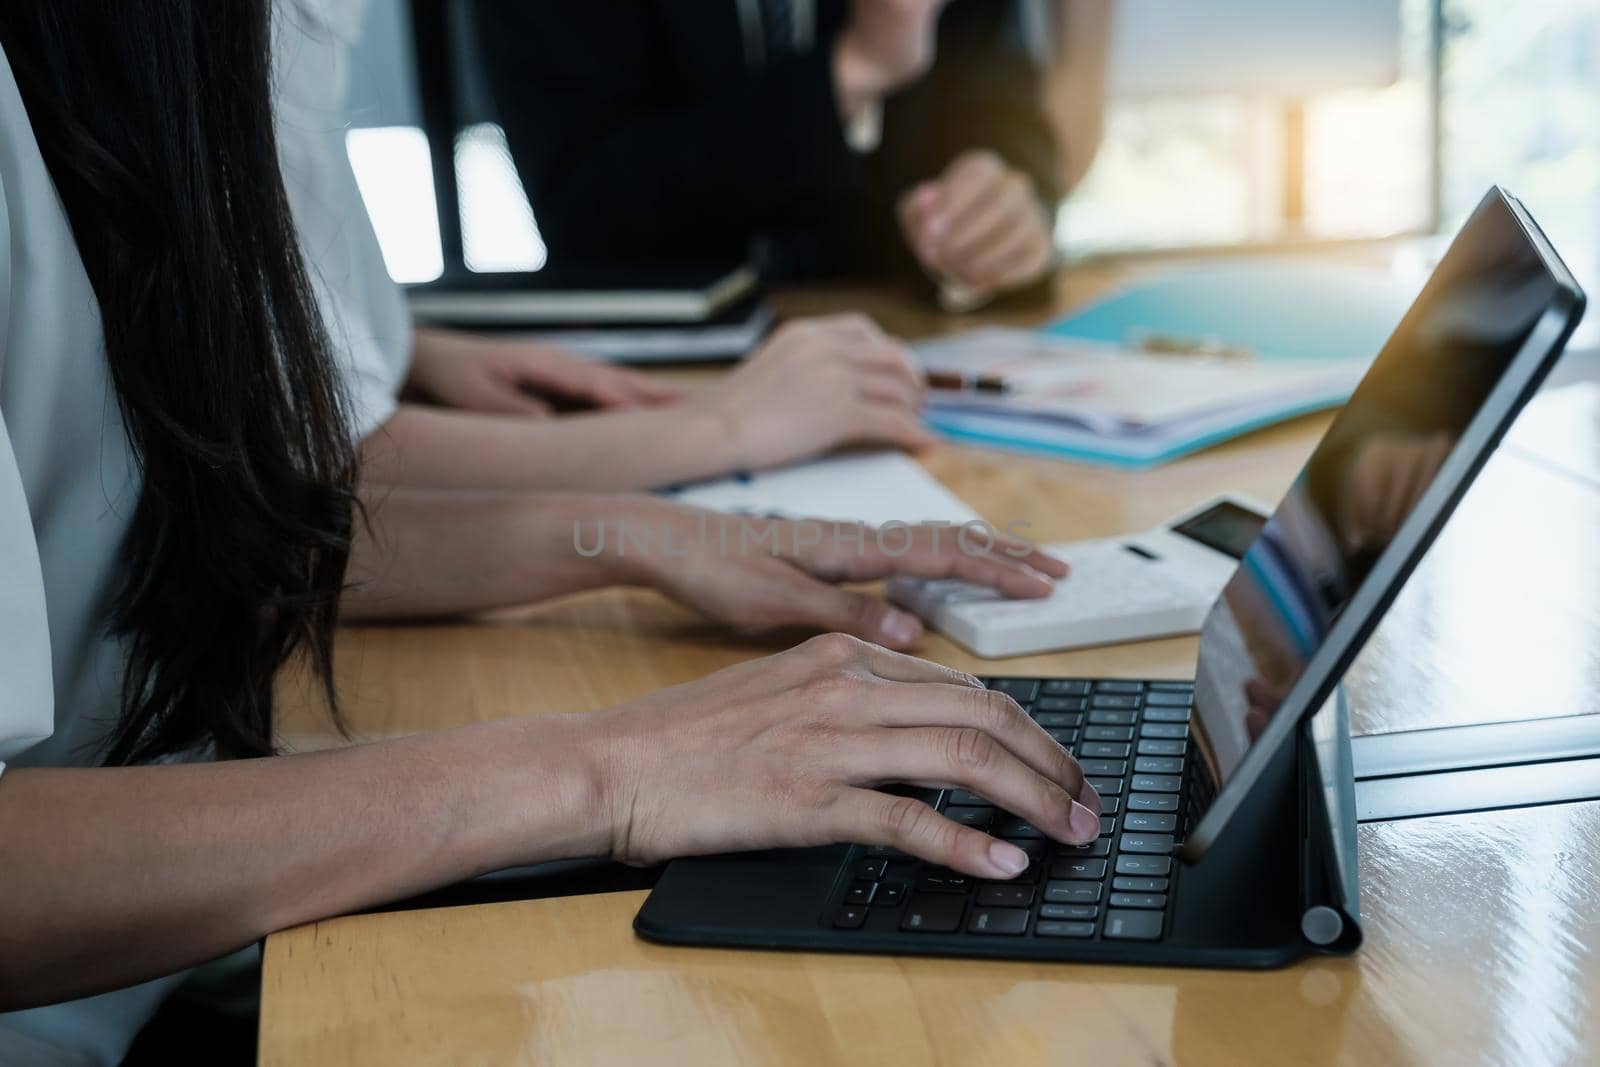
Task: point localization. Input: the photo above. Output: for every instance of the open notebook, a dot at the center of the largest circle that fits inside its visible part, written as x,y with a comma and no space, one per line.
1168,365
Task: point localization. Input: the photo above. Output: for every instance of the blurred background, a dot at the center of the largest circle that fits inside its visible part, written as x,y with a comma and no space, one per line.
1233,124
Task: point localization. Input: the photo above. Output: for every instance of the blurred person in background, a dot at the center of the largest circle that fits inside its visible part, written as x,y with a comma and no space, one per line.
914,138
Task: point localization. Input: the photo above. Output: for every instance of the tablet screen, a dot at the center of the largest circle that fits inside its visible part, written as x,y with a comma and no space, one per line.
1365,479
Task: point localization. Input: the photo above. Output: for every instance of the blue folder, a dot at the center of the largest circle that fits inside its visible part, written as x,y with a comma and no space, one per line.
1276,309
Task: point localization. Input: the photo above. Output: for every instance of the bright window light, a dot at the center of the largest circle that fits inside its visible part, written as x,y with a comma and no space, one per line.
395,177
498,232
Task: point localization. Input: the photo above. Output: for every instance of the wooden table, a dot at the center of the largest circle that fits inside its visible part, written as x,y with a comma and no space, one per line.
1482,929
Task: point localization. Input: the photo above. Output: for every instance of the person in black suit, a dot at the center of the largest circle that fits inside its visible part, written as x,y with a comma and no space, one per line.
872,136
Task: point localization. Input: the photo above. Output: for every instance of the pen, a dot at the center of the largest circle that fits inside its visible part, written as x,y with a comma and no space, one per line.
954,381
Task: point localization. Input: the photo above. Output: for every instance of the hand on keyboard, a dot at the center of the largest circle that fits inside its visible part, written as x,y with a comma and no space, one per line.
789,750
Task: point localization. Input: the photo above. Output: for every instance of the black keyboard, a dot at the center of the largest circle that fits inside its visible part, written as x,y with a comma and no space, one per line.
1132,739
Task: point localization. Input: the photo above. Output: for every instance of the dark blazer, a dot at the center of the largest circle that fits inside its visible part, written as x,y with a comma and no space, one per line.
642,132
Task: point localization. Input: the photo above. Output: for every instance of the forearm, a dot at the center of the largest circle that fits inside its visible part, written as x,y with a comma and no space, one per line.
429,553
1075,85
117,875
428,448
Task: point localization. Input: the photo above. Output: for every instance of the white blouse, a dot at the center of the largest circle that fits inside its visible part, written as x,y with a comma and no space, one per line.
68,484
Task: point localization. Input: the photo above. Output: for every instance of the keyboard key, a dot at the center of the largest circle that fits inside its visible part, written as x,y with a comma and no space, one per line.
861,893
1149,822
850,917
1113,701
1139,885
966,816
1114,686
944,880
1059,705
1051,719
1159,764
1151,802
890,894
1022,690
1072,892
966,797
1157,783
1175,686
1166,714
1064,738
1070,912
1054,929
1104,750
1146,844
1138,900
1110,768
1104,717
1109,805
1133,925
1099,847
1106,787
1005,895
1159,698
1013,921
888,853
1066,686
934,913
1075,869
1108,823
1013,826
1151,746
1145,866
1108,733
871,870
1167,731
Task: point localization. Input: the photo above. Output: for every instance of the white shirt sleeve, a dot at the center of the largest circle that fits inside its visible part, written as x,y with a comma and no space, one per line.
27,694
365,312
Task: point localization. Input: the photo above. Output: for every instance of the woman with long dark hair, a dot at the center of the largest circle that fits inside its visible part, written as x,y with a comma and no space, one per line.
176,514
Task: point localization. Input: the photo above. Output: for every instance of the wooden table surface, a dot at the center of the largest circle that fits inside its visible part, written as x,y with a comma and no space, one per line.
1481,929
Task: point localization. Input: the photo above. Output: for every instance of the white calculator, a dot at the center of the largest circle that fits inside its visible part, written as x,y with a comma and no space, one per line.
1153,584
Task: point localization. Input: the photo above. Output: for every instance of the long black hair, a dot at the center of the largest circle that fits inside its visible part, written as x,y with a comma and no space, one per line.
154,118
